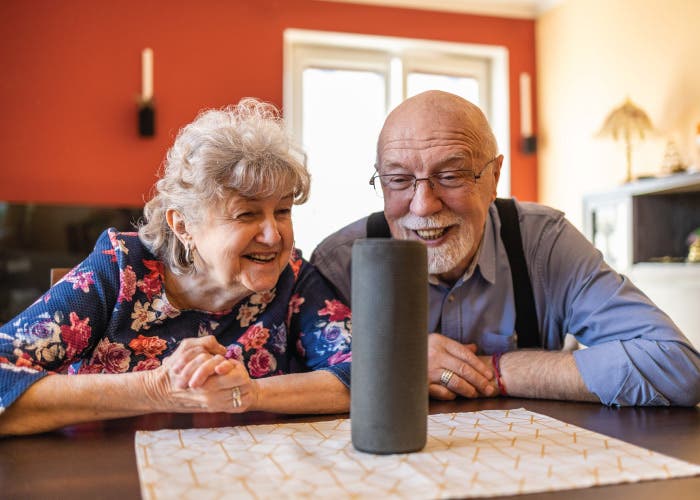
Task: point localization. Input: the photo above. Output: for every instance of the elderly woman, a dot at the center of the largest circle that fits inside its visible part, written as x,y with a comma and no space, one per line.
208,308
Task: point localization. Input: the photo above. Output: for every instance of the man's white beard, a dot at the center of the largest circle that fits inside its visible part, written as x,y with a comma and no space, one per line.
449,254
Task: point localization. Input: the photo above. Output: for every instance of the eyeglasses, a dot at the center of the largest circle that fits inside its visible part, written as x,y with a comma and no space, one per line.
448,179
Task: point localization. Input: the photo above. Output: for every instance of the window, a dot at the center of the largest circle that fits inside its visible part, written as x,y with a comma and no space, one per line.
338,89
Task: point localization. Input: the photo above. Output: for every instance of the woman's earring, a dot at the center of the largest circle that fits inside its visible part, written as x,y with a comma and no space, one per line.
189,253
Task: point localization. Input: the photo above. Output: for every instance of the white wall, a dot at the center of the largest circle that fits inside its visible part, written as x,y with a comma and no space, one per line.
591,54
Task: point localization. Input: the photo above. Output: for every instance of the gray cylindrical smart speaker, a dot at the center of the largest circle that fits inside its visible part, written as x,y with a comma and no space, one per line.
389,377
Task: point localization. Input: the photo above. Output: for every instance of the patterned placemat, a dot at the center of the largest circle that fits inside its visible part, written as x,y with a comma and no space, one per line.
477,454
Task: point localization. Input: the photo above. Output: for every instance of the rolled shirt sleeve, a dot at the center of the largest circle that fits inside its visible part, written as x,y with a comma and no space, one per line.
635,354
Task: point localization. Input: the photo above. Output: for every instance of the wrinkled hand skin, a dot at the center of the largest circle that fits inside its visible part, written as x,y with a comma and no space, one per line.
473,376
198,378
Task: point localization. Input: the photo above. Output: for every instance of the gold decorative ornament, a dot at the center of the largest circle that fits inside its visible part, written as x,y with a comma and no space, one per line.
694,251
624,122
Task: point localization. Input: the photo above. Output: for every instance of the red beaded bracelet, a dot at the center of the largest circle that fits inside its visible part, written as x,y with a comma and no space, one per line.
496,363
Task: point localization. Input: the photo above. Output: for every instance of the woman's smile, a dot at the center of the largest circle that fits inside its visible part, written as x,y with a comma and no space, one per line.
261,257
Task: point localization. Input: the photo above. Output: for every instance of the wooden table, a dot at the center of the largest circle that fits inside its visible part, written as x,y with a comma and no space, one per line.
98,460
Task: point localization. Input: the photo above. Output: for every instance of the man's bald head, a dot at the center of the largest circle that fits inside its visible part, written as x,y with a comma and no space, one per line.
418,115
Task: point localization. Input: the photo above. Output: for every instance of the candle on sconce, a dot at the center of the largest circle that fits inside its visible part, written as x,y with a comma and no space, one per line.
147,112
525,106
528,141
147,75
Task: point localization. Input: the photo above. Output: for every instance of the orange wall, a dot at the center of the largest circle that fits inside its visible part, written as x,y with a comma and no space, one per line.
71,74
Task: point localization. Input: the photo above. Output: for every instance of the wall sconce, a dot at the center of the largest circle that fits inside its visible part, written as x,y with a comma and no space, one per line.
147,112
528,141
624,121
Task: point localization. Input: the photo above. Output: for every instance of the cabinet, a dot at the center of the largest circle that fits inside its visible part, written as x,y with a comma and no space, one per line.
644,221
641,229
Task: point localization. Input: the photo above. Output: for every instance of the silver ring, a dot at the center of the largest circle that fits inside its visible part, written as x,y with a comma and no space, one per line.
446,376
236,393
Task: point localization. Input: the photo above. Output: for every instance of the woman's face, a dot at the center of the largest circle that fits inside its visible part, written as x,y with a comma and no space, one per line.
245,242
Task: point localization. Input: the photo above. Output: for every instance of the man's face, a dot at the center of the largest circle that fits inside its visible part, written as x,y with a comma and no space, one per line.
423,141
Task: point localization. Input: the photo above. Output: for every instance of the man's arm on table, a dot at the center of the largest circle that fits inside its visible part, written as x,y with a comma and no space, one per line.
635,354
543,375
525,373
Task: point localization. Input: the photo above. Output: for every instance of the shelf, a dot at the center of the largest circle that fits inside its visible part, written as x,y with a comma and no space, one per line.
669,268
644,220
670,184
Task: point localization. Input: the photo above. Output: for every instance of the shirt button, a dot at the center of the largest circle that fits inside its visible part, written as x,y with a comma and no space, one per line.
450,298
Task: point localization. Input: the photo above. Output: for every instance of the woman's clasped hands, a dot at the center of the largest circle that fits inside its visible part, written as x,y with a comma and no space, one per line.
198,377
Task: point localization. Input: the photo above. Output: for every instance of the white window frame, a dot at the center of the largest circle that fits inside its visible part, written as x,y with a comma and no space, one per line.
448,64
391,55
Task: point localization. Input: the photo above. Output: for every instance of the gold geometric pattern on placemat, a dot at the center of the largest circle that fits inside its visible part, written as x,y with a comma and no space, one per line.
485,453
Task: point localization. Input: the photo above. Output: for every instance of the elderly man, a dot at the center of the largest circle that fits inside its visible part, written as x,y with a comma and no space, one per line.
438,167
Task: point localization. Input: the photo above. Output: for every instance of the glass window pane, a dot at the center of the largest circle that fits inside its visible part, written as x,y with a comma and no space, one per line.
462,86
342,114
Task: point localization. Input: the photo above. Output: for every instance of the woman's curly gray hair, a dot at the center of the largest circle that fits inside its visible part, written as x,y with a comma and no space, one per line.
242,150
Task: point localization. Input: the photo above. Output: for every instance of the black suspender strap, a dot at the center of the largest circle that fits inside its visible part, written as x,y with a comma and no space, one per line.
525,312
377,226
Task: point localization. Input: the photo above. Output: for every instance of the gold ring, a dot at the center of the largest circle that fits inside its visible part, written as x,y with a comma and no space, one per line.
236,394
446,376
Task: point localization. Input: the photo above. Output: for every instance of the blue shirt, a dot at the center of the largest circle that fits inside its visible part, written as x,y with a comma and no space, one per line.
111,315
635,355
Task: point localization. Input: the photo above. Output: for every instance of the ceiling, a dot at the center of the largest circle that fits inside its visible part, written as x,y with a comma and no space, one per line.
528,9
